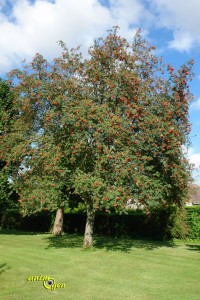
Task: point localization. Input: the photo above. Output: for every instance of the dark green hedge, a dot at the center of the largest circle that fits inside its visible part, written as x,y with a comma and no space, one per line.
191,209
193,221
163,224
40,222
108,224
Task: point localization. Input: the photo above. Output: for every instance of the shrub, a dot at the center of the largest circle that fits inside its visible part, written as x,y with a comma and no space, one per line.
176,223
193,221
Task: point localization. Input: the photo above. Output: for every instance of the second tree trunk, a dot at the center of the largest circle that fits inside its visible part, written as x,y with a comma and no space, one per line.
89,226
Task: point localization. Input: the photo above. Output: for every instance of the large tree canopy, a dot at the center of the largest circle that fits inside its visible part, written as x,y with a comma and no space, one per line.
109,128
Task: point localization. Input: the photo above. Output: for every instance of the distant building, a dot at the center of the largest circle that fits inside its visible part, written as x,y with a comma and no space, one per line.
194,195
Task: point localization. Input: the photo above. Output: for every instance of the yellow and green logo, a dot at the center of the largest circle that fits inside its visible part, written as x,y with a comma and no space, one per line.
48,282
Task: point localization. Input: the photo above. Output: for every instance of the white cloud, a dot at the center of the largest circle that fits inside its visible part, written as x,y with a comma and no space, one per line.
32,27
29,26
195,105
180,16
195,160
130,11
39,26
182,41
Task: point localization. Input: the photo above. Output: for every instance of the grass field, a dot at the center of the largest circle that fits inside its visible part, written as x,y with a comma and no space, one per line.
113,269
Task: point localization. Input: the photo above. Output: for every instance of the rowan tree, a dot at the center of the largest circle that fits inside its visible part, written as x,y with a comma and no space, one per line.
109,128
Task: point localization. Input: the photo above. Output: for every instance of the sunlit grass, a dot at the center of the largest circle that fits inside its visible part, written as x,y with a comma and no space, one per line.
113,269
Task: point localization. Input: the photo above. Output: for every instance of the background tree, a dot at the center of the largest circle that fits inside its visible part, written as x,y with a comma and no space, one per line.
109,128
8,196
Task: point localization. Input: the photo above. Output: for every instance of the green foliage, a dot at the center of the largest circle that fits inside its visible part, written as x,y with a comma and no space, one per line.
194,225
160,224
194,208
176,223
6,105
9,208
80,208
193,221
109,128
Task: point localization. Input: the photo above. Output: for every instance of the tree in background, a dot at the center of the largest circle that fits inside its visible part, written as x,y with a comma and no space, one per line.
8,196
109,128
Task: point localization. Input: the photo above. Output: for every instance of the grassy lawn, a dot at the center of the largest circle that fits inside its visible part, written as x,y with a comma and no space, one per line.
113,269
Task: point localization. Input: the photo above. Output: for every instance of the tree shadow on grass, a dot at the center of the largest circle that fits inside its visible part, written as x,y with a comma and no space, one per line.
193,247
65,241
128,244
3,268
107,243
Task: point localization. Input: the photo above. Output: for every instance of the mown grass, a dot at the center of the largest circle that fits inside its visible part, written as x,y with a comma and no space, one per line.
113,269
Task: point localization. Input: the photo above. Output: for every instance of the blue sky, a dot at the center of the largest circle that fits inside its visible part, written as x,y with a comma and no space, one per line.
173,26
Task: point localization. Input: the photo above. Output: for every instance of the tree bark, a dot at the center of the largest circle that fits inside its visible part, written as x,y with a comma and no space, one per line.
89,226
58,223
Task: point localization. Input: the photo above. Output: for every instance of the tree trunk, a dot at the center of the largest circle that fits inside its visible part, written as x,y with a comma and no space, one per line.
89,226
58,223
